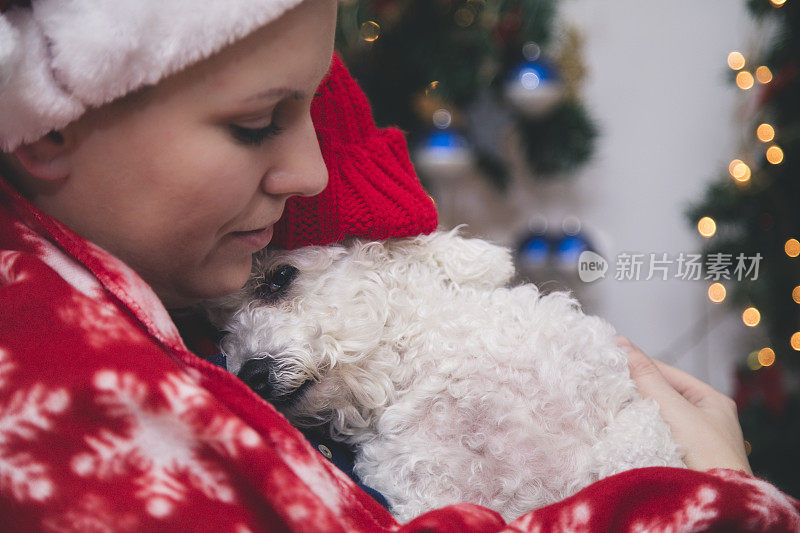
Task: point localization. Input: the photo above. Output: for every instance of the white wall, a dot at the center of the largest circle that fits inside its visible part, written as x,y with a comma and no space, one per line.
657,84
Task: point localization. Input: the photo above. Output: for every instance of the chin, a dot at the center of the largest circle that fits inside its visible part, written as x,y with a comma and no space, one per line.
208,284
233,278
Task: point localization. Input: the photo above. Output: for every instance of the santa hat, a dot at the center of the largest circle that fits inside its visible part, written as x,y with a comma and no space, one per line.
60,57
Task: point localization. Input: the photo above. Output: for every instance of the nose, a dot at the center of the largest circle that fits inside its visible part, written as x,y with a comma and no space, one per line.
255,374
301,170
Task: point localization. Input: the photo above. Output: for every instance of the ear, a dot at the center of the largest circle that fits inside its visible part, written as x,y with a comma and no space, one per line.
47,158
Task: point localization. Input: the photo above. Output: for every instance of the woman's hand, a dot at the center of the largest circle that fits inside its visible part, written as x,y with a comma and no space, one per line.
703,420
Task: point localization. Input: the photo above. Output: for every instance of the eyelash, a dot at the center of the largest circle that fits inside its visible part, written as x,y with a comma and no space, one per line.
254,137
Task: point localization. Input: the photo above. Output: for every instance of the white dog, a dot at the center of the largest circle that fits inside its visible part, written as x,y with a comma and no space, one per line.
450,386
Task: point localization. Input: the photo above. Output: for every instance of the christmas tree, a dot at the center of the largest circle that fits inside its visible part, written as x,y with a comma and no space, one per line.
753,211
426,63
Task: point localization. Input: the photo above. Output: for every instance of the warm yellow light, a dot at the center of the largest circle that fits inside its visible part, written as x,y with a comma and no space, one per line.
716,292
778,3
795,341
431,87
744,80
765,133
774,154
370,31
746,176
792,248
751,317
766,356
739,170
752,361
748,448
763,74
707,227
796,294
736,60
465,16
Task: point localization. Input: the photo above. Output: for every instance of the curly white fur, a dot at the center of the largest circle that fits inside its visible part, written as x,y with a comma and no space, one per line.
450,386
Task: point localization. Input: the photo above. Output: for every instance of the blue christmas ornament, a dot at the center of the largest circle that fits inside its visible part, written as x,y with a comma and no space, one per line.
569,248
534,87
443,154
535,251
545,249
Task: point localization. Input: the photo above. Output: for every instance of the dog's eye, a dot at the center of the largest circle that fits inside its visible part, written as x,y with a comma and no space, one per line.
277,281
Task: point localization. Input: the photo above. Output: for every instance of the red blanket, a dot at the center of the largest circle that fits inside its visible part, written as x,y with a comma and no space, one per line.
109,423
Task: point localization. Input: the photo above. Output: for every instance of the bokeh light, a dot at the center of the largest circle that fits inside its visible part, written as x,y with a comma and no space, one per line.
795,341
739,170
716,292
442,119
763,74
465,16
531,51
707,227
370,31
752,361
744,80
765,133
796,294
766,356
736,60
571,225
432,86
775,155
777,3
792,248
751,317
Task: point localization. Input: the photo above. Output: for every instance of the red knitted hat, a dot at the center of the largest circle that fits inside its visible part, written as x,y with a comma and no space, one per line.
373,191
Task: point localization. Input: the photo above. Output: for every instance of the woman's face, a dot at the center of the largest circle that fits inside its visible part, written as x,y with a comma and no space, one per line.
170,178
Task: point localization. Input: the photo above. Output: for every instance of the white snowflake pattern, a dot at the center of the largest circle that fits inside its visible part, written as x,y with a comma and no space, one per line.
694,515
66,266
93,513
768,505
100,320
162,441
576,518
7,261
572,519
25,415
140,294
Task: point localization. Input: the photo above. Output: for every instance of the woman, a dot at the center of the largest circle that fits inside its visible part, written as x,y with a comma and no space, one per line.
150,148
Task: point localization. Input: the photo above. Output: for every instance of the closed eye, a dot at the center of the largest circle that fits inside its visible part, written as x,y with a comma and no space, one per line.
254,136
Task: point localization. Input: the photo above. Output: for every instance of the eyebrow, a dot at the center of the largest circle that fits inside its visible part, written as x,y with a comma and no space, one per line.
275,93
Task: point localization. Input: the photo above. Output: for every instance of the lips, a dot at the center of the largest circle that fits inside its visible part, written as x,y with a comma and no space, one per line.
256,239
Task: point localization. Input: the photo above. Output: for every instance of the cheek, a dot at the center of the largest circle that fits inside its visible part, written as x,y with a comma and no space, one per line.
201,186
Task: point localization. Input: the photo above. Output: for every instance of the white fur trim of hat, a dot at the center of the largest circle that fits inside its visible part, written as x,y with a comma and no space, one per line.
60,57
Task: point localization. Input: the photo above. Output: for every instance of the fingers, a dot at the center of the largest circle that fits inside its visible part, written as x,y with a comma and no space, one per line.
696,391
647,376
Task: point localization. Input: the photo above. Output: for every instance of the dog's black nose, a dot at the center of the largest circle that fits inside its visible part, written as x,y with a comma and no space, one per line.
255,373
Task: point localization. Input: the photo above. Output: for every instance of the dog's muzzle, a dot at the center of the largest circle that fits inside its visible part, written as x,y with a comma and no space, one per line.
256,375
259,374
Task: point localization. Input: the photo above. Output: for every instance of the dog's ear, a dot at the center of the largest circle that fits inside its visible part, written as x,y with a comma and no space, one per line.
470,262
